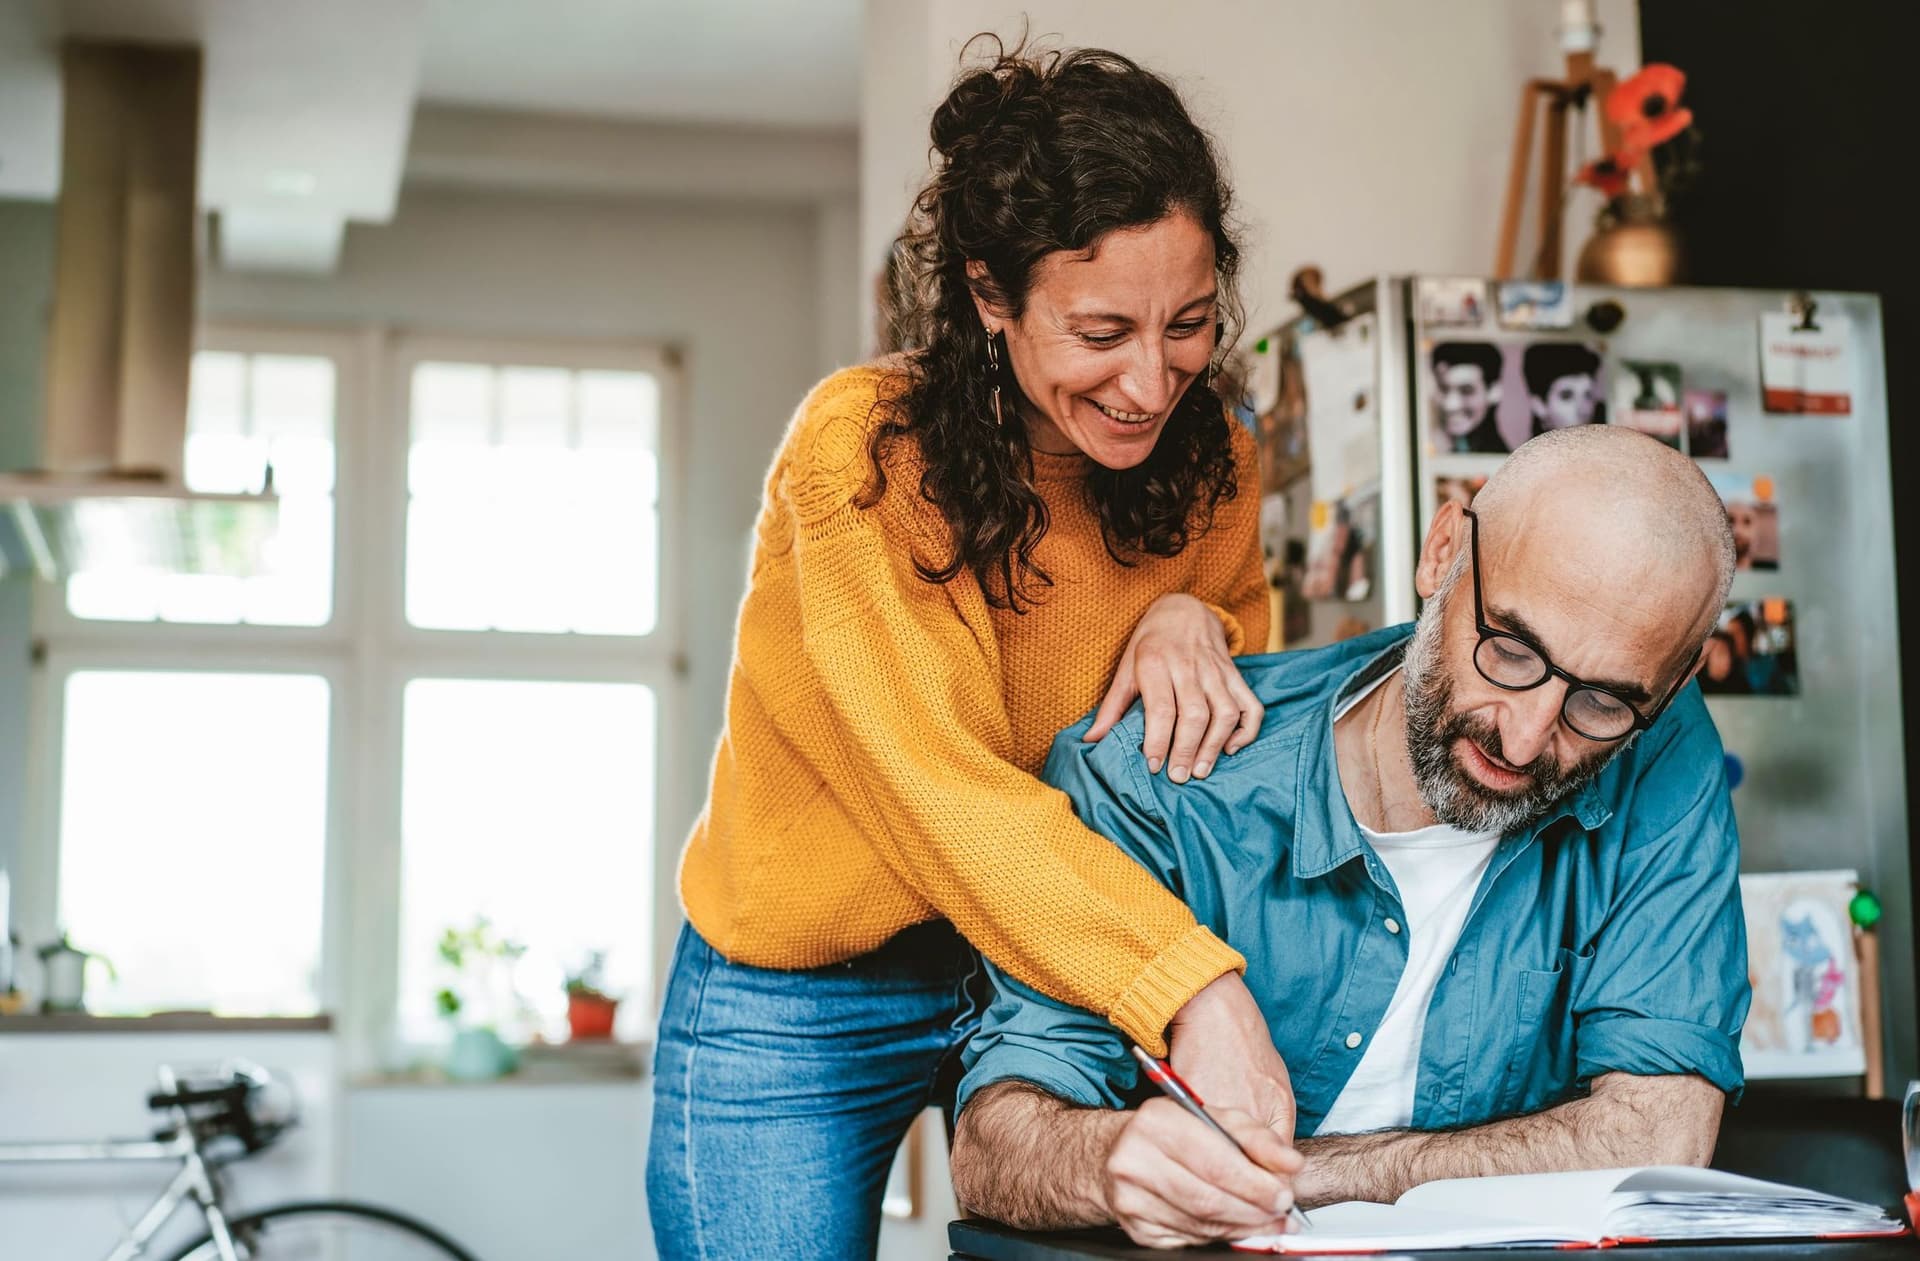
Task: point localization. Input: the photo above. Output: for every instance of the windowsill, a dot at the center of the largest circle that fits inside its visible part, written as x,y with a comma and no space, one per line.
163,1022
558,1064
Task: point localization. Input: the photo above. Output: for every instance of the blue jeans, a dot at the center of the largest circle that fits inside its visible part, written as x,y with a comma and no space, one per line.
779,1098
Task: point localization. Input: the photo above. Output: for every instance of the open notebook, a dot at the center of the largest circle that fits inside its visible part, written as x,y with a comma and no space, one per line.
1597,1207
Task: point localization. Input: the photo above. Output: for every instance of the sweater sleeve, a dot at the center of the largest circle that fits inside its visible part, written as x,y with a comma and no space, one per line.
921,746
1233,581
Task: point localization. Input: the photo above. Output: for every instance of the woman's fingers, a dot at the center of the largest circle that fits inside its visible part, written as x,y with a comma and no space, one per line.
1193,712
1159,705
1195,707
1223,719
1251,712
1120,694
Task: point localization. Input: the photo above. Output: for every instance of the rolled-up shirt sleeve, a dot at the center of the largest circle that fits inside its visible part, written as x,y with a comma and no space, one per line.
1667,991
1026,1036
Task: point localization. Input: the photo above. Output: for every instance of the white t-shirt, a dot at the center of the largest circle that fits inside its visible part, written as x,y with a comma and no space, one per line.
1437,870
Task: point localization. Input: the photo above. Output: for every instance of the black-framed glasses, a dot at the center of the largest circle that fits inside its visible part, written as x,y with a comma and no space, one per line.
1514,665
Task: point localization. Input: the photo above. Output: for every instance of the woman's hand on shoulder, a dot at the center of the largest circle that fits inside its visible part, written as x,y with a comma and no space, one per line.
1196,704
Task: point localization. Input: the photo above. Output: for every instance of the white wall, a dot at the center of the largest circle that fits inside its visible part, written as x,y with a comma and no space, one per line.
26,289
1362,135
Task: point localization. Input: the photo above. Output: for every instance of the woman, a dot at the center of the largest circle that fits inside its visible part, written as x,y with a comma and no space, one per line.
961,551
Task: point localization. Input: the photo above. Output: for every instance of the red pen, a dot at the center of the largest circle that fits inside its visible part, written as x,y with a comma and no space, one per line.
1161,1074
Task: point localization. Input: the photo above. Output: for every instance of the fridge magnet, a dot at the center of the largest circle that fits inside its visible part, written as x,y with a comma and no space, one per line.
1466,383
1754,517
1538,304
1806,363
1273,536
1339,366
1805,1020
1646,396
1706,423
1280,428
1340,554
1456,490
1562,386
1451,302
1751,651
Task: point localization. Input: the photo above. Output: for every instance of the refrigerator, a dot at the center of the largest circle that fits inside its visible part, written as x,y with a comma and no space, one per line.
1376,404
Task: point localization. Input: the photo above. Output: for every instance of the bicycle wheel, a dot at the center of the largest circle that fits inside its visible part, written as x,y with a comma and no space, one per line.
330,1230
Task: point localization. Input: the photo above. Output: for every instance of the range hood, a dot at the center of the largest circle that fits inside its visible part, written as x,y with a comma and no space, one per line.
111,492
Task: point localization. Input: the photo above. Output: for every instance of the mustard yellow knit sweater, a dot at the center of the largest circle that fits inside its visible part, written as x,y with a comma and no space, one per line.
883,733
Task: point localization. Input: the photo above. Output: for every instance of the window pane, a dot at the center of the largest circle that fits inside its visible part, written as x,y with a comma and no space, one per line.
192,838
534,503
248,415
531,804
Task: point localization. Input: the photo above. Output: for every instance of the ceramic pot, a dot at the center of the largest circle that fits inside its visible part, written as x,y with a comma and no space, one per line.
478,1055
1632,246
590,1016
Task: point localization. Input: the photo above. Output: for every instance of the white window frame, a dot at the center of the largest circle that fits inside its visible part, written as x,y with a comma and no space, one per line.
368,653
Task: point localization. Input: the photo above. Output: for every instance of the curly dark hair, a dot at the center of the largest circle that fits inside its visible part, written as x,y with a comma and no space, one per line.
1035,154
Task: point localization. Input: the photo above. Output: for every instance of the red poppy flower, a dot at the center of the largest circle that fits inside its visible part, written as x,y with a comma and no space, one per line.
1647,106
1608,174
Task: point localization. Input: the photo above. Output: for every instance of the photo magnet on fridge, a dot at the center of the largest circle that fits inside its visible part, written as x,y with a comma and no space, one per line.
1754,517
1646,396
1706,423
1451,302
1751,651
1541,304
1806,365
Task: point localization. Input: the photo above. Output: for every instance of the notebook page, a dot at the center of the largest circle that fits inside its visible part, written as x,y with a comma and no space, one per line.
1357,1226
1574,1201
1680,1203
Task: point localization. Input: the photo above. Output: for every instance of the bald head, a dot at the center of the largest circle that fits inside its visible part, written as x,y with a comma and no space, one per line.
1626,512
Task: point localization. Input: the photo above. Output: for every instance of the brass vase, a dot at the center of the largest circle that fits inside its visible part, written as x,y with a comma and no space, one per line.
1632,245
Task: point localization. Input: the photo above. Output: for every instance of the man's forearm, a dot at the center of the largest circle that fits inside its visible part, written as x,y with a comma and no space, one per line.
1626,1120
1025,1158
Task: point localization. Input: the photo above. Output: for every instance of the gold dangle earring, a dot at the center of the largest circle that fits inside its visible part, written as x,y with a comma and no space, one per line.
993,375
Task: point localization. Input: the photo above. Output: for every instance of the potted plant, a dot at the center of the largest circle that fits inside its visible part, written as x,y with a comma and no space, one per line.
1634,242
478,996
590,1009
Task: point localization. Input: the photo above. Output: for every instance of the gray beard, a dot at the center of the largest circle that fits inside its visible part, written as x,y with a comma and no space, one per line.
1449,791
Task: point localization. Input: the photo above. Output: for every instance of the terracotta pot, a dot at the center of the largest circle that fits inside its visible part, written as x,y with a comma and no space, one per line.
590,1016
1632,246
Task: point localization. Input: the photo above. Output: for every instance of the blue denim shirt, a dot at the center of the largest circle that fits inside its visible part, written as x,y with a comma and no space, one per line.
1606,937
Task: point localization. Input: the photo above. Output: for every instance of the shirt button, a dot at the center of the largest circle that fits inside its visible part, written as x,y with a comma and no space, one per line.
1353,1040
1393,925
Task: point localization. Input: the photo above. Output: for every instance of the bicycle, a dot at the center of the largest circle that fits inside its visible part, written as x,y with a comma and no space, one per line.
210,1124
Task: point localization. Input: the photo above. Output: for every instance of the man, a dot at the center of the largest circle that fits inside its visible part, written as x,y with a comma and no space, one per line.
1563,384
1484,877
1466,396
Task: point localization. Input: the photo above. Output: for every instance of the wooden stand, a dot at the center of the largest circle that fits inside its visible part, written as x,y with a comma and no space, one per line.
1866,948
1583,84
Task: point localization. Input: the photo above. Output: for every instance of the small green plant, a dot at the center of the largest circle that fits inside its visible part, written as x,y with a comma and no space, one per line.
481,993
589,980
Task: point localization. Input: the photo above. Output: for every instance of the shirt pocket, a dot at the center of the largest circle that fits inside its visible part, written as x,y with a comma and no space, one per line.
1541,1067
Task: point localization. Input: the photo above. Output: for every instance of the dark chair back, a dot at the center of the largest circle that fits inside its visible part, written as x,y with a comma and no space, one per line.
1842,1146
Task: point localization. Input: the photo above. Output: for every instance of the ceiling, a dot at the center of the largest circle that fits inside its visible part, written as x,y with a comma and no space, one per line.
772,63
307,105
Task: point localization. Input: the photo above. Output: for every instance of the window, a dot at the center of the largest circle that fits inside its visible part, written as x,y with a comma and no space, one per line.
193,838
272,794
530,804
534,499
252,420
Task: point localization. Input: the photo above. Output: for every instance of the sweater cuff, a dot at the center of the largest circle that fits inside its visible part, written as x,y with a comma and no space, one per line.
1236,633
1192,962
